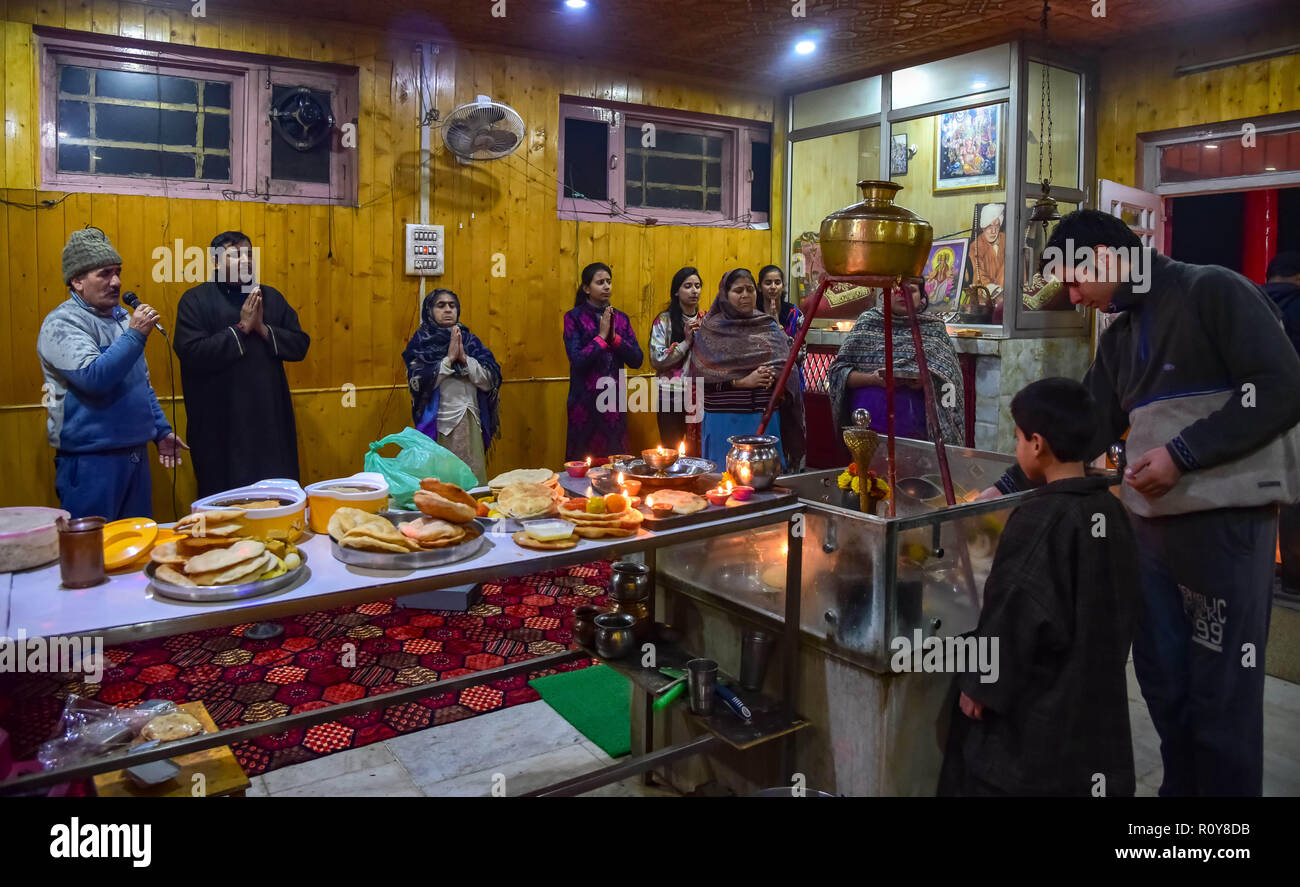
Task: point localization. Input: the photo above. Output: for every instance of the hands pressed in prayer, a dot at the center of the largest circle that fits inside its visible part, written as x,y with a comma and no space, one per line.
250,314
606,322
456,351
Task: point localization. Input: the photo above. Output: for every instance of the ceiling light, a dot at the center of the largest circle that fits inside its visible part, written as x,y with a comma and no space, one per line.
804,47
576,4
1270,169
978,84
1211,147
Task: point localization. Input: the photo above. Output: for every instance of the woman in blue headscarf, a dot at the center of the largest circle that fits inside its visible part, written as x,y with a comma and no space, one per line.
455,383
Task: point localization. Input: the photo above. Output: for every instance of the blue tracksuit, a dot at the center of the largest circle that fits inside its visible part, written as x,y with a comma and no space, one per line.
102,411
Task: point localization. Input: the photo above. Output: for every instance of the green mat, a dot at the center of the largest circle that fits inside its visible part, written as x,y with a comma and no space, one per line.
597,701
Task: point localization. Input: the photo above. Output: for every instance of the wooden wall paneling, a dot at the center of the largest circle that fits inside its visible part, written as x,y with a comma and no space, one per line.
131,21
104,17
4,113
78,14
158,25
50,13
23,11
20,106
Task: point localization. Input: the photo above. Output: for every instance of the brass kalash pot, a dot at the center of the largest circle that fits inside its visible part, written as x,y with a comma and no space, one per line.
875,237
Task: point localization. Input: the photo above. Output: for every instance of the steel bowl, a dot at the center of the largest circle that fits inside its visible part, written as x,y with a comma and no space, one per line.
754,460
584,624
659,461
615,637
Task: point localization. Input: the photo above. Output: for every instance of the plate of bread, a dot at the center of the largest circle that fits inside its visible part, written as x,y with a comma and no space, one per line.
214,558
444,530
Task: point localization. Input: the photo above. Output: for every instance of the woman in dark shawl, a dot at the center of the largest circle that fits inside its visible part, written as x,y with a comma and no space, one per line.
857,377
739,352
455,383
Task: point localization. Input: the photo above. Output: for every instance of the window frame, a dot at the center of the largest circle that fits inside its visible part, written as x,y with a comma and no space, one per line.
250,131
738,136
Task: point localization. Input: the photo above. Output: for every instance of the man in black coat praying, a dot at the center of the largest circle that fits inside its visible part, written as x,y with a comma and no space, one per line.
233,335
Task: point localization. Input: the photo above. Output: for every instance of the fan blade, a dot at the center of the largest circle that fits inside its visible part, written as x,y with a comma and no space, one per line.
502,140
458,138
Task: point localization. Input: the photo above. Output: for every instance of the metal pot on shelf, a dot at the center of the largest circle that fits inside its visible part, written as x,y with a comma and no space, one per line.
875,237
754,460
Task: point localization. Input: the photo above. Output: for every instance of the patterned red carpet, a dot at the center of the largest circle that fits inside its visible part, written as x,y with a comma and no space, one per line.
241,681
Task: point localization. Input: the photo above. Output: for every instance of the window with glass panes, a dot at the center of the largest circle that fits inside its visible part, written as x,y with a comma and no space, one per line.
669,168
132,123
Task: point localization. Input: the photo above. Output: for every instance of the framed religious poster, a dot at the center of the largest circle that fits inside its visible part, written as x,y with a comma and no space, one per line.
968,149
942,274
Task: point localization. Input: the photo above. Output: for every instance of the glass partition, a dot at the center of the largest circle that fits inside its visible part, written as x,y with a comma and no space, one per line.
951,167
847,101
974,72
1065,97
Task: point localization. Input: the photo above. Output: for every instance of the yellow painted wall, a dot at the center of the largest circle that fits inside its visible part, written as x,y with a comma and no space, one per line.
357,305
826,175
1139,92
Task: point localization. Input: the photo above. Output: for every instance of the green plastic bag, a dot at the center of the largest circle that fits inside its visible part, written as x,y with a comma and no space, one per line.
420,457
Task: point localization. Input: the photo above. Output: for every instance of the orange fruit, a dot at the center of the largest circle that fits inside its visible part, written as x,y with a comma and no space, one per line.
615,503
481,510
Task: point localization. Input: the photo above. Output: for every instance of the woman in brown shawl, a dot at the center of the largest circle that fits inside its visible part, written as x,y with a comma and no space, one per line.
739,352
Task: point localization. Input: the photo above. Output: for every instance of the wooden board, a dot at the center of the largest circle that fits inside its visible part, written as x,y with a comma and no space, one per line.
221,772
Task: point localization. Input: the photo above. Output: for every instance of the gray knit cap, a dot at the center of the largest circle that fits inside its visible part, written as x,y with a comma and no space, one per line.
86,250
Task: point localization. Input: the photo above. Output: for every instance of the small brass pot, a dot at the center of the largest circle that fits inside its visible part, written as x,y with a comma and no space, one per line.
876,236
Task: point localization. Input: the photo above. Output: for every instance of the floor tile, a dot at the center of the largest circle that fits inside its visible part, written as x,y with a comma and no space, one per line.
486,742
386,781
520,776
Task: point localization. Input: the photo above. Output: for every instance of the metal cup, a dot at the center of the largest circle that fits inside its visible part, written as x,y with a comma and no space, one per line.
81,552
755,654
702,680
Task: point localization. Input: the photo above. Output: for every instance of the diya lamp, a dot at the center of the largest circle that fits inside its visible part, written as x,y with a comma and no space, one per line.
659,509
742,493
628,488
721,493
659,459
578,469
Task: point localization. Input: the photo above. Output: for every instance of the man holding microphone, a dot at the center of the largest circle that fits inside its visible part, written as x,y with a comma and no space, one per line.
102,409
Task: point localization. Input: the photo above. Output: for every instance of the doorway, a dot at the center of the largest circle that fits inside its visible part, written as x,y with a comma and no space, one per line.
1241,230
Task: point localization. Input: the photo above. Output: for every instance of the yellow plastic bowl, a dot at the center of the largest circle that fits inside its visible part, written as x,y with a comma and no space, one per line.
288,521
371,494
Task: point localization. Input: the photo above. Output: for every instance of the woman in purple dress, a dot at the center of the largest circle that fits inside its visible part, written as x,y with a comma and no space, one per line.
857,377
600,342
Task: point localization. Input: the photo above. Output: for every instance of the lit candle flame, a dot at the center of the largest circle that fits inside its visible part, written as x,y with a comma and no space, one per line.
681,448
588,461
620,478
660,449
728,488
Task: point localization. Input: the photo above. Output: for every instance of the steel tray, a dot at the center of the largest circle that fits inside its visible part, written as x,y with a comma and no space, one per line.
204,593
415,560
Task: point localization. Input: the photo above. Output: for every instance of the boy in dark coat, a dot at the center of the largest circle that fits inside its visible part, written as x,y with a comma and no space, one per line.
1062,601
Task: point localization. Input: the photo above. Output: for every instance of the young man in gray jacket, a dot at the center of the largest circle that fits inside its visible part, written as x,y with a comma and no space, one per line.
102,410
1186,332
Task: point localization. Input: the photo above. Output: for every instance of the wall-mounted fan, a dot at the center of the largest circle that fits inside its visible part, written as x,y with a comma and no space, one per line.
302,118
483,130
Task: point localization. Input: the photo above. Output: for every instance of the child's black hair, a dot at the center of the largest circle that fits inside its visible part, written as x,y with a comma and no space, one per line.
1062,411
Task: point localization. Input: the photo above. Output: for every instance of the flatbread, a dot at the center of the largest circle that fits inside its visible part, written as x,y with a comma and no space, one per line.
168,573
526,500
366,543
523,540
448,502
220,559
347,519
448,541
522,476
172,726
192,545
682,501
430,529
243,572
167,553
263,503
220,531
215,516
382,530
601,532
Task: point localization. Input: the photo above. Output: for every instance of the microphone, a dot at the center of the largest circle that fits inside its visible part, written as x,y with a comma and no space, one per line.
132,301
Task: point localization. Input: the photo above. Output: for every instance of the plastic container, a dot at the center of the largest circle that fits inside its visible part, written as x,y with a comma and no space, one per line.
28,537
368,492
286,521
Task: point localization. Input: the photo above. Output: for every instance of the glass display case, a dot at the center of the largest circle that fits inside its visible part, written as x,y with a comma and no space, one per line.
867,580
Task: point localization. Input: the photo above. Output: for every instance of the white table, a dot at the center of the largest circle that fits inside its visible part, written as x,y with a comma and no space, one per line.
125,608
